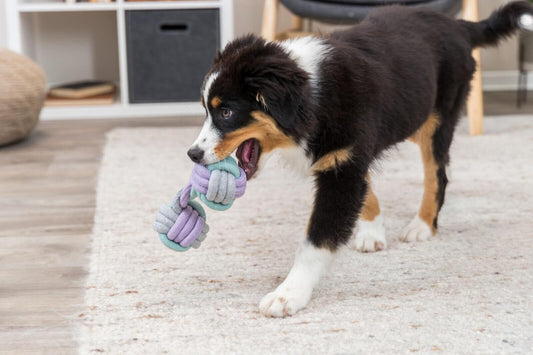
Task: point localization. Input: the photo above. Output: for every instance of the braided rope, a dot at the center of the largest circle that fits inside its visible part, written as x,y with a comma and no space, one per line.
183,223
218,184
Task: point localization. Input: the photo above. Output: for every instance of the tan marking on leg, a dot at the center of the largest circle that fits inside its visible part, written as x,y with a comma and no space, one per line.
371,207
216,101
332,160
263,128
424,138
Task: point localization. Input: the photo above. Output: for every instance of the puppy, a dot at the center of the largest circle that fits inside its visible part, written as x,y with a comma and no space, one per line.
333,105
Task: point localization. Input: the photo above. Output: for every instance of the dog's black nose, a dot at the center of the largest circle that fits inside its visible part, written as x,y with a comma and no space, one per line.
196,154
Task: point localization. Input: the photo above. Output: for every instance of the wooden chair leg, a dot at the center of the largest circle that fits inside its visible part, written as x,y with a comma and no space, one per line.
297,23
474,106
270,19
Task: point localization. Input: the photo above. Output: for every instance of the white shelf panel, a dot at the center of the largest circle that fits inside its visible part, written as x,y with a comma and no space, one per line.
119,110
148,5
167,5
60,7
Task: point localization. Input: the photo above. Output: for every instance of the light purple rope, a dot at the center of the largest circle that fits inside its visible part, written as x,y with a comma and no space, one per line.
200,180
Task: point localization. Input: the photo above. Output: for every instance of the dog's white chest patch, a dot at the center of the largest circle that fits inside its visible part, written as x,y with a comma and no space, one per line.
296,159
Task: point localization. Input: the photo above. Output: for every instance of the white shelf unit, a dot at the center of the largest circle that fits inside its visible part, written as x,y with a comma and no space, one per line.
94,37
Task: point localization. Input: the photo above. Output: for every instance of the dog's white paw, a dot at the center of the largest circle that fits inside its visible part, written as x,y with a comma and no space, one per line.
283,303
371,236
417,230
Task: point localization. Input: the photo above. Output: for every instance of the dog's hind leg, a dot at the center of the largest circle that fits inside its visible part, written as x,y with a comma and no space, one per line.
434,139
339,197
424,225
371,234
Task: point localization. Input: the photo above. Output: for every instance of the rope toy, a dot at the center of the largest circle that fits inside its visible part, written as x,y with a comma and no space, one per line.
183,223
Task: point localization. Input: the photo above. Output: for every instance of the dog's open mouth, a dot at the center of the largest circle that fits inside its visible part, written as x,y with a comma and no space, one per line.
248,155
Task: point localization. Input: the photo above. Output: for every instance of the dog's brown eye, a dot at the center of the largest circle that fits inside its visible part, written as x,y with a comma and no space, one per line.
226,113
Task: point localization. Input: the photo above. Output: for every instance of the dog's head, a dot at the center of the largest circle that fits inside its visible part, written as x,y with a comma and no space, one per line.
254,97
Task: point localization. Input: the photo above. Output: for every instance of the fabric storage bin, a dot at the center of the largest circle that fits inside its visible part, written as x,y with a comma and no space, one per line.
169,52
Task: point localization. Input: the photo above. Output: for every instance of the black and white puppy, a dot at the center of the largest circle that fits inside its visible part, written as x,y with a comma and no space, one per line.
333,105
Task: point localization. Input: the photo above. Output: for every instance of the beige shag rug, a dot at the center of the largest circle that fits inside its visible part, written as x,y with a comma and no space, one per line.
468,290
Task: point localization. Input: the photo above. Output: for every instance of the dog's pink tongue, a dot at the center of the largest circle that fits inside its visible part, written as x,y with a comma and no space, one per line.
243,151
248,154
247,150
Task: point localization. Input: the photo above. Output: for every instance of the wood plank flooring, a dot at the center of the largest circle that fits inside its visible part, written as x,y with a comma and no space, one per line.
47,202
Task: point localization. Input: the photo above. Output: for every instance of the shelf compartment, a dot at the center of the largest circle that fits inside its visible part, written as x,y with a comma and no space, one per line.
81,46
169,52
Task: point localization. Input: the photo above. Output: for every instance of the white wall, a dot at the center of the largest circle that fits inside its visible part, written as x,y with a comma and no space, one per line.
248,17
505,56
3,39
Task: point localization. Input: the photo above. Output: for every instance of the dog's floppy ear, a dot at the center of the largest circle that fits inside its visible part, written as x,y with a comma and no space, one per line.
280,87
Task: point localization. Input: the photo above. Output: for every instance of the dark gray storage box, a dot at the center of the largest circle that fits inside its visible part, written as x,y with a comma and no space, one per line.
169,53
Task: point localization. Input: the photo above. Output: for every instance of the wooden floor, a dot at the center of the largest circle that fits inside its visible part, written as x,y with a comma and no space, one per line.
47,202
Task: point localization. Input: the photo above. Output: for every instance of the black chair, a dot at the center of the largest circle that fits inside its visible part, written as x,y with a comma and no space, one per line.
351,11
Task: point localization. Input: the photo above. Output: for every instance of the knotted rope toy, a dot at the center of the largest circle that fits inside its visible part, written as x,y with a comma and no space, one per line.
183,223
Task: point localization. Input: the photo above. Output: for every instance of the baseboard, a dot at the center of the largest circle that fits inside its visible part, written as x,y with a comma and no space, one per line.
504,80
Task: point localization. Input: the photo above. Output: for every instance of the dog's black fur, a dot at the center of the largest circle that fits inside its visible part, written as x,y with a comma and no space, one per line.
377,86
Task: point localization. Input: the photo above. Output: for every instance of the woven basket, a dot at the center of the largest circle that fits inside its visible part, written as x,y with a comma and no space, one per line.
22,94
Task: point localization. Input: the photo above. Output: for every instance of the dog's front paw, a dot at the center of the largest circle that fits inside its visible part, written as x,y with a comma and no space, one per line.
283,303
371,236
417,230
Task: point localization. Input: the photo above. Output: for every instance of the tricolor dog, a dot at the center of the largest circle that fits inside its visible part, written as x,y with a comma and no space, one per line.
333,105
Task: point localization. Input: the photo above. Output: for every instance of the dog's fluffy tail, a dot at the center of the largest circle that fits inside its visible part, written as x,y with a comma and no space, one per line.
502,23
